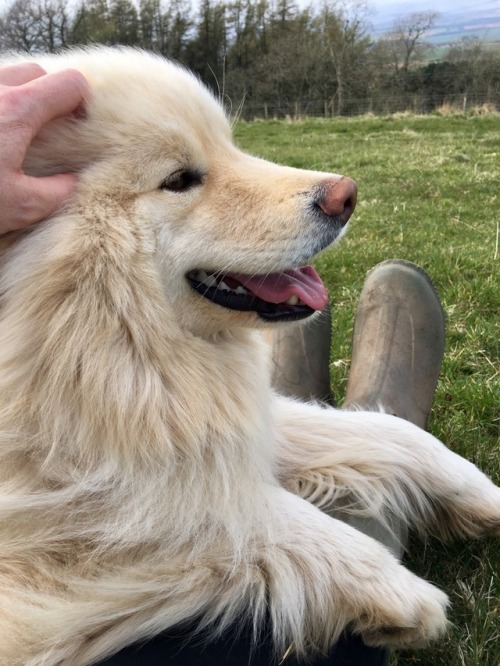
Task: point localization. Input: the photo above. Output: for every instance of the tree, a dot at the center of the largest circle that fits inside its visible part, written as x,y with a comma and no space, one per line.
345,43
478,67
153,23
179,29
55,25
274,54
124,22
20,27
243,20
283,72
36,26
93,23
284,15
206,51
247,25
405,44
165,27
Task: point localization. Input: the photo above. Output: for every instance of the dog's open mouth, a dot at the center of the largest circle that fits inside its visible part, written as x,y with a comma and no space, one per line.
292,294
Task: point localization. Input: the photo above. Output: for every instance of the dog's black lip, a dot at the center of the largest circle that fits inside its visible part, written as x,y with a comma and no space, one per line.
269,312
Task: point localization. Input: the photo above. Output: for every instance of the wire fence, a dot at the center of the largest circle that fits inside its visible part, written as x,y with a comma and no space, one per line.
383,105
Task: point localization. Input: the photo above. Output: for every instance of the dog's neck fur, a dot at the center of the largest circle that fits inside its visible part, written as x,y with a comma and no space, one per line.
93,355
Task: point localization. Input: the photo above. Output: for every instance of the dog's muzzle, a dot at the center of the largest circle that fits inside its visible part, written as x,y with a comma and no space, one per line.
290,295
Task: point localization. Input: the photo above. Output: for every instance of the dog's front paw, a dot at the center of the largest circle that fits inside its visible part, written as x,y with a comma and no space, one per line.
413,619
474,512
487,513
488,522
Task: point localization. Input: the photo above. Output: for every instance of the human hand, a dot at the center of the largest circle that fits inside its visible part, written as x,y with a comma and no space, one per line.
30,98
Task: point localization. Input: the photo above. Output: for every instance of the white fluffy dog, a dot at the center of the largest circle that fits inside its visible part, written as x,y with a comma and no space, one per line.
148,474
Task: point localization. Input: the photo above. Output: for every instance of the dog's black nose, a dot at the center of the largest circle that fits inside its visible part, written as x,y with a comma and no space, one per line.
337,198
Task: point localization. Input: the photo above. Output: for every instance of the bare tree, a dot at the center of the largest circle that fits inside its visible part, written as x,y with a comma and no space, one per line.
55,25
21,27
405,43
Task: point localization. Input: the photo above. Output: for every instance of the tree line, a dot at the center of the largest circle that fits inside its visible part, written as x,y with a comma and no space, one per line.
272,57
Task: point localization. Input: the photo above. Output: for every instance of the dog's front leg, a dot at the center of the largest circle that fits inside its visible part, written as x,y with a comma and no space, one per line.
377,464
314,577
323,576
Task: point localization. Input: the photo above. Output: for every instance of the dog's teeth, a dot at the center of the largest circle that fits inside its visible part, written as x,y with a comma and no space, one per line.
222,286
292,300
201,276
210,281
241,290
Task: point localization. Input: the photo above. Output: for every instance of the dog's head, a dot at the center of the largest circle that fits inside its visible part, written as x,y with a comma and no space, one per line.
229,235
174,245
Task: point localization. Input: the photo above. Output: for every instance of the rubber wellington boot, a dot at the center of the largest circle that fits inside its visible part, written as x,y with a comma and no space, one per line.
398,343
301,359
398,346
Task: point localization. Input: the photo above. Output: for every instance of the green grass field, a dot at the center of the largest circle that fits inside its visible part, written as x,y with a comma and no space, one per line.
429,192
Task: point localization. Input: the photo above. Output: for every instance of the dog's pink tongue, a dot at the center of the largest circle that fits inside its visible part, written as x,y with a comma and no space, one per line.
303,282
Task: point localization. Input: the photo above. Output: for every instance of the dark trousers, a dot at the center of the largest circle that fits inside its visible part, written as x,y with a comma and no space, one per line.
235,648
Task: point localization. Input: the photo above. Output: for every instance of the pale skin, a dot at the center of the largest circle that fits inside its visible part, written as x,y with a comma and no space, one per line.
30,98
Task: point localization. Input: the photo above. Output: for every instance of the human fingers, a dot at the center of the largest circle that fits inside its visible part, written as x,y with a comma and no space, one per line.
45,98
35,199
16,75
53,96
24,110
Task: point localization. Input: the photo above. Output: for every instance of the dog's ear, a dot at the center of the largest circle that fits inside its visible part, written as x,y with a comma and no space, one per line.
89,355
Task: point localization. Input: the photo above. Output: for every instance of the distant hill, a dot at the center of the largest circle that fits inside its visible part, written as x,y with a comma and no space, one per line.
455,19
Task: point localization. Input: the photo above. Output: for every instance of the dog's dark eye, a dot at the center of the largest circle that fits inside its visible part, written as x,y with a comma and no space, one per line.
181,180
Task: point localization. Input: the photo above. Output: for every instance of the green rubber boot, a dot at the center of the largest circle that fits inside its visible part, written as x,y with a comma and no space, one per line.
301,359
398,347
398,343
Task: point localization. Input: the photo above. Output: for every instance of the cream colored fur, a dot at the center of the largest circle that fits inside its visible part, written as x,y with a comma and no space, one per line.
148,475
